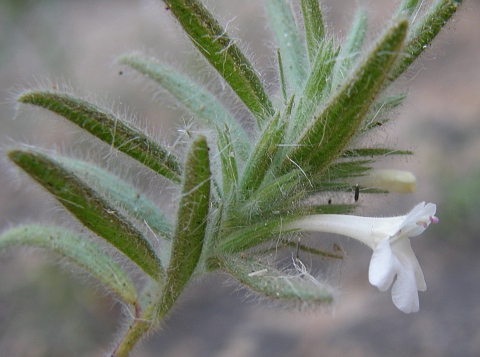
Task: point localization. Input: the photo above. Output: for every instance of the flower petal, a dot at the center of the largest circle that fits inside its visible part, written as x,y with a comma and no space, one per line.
404,252
404,291
383,266
417,220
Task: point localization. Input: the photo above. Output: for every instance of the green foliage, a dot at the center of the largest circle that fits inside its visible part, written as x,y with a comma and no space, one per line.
89,207
191,222
424,31
223,53
333,127
81,252
109,128
314,27
276,284
236,189
288,40
200,102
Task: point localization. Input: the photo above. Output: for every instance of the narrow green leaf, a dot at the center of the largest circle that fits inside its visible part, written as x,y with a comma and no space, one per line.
121,194
382,106
333,208
350,50
89,207
377,114
196,98
375,152
338,122
76,249
320,73
109,128
406,8
191,223
228,163
281,72
261,157
374,191
312,93
224,55
244,237
314,27
423,32
285,32
303,248
264,151
293,286
271,197
348,169
321,185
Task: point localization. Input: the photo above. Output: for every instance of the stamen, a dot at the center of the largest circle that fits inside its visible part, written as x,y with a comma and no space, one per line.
422,223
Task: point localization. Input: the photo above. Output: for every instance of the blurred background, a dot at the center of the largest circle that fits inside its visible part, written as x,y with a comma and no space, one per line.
46,310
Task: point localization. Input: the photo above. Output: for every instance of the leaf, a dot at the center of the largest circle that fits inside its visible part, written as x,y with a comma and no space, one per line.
271,197
196,98
303,248
228,164
281,73
406,8
350,50
333,208
213,42
191,223
383,105
244,237
120,194
375,152
294,286
293,52
423,32
313,90
338,122
323,185
314,27
347,169
76,249
264,151
89,207
109,128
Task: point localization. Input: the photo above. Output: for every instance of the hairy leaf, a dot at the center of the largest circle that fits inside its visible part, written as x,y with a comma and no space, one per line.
295,286
214,43
337,123
76,249
89,207
291,47
196,98
350,50
121,194
191,222
314,27
423,32
109,128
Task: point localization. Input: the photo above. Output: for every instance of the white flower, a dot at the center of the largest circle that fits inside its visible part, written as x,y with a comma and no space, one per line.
392,252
